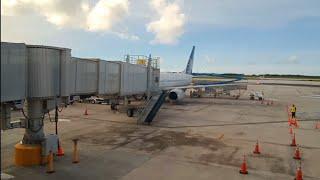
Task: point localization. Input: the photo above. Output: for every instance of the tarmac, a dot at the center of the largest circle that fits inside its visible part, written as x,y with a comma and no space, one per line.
198,138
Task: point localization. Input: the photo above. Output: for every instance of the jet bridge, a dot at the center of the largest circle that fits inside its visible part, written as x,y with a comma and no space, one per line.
46,76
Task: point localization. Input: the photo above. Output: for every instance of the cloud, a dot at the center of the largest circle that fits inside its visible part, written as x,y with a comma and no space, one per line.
292,60
126,35
102,16
209,59
106,13
58,12
250,13
170,25
161,61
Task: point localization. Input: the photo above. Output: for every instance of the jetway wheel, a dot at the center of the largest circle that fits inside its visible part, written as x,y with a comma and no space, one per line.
113,106
130,112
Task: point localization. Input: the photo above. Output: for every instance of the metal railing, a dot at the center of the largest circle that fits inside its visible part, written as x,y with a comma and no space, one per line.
142,60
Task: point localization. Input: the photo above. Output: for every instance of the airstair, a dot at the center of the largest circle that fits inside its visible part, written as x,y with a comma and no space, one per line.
153,105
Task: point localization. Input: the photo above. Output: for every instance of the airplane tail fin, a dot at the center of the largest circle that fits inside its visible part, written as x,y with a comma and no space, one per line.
188,69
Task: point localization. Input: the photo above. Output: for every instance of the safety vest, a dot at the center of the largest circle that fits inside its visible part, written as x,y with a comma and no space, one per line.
293,109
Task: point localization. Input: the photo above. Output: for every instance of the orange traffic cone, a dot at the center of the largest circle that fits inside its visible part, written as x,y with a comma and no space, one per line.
293,143
297,154
289,121
86,112
291,130
257,149
60,150
295,122
317,125
243,169
299,174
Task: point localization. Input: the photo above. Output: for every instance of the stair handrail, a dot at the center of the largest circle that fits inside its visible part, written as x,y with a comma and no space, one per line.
142,111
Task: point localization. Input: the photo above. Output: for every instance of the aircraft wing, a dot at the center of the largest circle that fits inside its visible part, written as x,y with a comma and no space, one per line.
203,86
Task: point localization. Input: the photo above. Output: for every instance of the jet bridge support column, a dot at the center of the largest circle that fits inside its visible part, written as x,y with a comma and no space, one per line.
34,130
149,77
5,116
28,151
126,101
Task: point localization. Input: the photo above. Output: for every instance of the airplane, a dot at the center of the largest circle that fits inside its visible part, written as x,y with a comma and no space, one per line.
173,80
177,82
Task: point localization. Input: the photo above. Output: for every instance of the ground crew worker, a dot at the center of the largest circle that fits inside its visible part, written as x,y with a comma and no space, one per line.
293,111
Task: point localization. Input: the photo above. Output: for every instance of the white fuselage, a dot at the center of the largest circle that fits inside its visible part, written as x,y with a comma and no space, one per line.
174,79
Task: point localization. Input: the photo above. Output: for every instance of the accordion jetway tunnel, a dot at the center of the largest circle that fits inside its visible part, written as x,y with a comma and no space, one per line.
45,77
38,75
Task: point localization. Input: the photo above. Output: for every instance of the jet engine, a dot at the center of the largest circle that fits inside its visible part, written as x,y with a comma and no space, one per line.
176,94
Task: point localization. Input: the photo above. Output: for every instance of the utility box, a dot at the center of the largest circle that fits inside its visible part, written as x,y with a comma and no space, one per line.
109,78
142,62
50,143
46,79
13,71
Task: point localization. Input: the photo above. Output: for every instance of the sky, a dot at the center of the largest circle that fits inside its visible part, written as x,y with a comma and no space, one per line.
231,36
